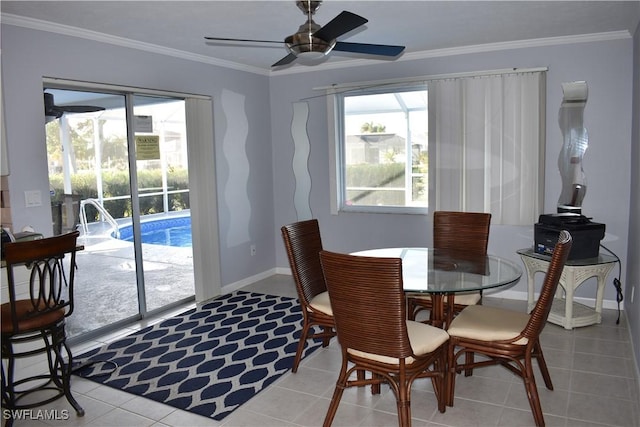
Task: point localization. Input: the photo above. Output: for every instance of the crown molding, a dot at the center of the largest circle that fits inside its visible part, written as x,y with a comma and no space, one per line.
37,24
464,50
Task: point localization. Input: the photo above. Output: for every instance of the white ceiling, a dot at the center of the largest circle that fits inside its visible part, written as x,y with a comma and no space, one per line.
424,27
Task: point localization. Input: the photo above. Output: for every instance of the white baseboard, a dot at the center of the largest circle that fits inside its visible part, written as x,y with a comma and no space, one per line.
248,281
284,270
522,296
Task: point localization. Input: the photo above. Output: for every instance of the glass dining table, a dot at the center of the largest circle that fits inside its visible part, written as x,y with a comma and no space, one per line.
444,273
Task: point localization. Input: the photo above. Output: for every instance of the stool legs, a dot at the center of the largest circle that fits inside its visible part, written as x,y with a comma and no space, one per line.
55,383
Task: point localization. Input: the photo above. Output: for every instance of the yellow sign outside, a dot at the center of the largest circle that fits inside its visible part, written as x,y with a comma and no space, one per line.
147,147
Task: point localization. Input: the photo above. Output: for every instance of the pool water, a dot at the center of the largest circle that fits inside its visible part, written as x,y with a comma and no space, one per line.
166,232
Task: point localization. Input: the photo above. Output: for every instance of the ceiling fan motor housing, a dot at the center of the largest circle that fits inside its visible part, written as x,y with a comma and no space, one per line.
303,42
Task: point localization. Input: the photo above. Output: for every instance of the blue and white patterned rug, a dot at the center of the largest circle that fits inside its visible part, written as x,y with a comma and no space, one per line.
209,360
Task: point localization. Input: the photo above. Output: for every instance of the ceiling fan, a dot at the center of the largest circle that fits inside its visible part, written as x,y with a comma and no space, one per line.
314,42
53,111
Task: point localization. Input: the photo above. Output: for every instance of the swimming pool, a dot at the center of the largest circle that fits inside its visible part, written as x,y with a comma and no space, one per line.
166,231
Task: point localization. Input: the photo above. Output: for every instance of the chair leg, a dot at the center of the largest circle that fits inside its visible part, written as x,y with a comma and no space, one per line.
532,393
439,380
341,384
537,353
450,374
8,395
375,386
301,343
327,336
403,401
58,379
66,369
59,369
468,360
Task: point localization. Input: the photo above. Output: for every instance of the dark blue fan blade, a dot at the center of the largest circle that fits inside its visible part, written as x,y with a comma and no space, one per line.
286,60
80,108
371,49
340,25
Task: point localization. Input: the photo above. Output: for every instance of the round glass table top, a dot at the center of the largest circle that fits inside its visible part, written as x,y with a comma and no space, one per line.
441,271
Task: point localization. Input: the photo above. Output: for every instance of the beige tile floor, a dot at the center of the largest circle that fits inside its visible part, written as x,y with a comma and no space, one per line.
592,369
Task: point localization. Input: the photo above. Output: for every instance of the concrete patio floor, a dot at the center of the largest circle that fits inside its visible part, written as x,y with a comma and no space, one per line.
105,280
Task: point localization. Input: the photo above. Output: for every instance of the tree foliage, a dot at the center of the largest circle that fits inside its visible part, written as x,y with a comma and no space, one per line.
370,127
116,184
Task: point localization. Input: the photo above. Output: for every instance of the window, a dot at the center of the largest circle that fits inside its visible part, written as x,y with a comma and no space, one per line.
464,143
384,139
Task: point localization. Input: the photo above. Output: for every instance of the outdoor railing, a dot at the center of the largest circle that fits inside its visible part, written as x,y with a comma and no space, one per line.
102,211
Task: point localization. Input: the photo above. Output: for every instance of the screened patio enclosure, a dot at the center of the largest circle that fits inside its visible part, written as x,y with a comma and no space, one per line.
384,147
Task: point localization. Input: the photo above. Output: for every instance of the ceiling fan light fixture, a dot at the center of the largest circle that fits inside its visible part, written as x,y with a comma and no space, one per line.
310,56
313,50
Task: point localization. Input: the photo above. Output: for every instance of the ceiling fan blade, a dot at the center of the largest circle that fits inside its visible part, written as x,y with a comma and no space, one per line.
340,25
80,108
224,39
286,60
53,112
371,49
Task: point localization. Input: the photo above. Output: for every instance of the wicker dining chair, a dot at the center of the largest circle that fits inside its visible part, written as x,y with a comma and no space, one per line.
33,322
374,334
457,231
303,243
507,337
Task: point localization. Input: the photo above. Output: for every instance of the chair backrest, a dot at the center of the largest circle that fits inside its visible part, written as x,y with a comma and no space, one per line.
461,231
368,303
303,244
50,281
539,314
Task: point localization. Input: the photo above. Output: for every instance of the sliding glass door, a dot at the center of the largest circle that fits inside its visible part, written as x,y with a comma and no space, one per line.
118,171
162,184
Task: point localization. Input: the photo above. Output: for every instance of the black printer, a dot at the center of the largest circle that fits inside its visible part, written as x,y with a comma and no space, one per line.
586,234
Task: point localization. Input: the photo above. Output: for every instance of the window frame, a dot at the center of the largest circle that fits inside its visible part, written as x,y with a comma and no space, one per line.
337,150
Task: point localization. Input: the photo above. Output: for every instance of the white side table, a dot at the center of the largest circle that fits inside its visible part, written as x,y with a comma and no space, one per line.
565,311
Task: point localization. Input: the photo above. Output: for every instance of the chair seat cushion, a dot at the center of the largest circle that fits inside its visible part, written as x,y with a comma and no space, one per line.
322,303
462,298
27,324
480,322
424,339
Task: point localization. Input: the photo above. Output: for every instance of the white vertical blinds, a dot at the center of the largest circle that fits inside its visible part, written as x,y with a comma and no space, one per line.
486,144
203,197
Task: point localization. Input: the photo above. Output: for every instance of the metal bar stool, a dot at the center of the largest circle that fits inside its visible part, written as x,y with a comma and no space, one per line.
33,322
